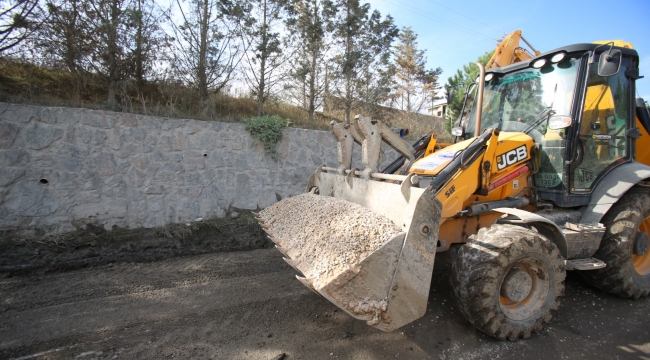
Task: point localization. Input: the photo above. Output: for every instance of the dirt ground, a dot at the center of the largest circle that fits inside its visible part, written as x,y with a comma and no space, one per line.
92,246
248,305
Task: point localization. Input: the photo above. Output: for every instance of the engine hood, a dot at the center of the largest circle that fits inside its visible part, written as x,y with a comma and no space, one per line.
508,143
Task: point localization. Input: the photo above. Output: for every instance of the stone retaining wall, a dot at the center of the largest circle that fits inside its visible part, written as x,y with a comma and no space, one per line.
63,168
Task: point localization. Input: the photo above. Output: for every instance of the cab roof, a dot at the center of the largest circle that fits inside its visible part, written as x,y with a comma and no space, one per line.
575,48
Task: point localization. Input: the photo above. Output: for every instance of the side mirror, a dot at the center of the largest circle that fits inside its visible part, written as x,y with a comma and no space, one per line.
609,63
458,131
557,122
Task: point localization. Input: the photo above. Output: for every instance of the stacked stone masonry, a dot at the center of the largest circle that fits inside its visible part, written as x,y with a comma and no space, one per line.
64,168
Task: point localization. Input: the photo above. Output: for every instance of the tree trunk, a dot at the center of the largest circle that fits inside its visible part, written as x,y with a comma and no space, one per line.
347,102
139,66
260,93
326,92
348,50
72,48
202,75
112,54
262,84
408,106
71,39
313,69
304,93
312,87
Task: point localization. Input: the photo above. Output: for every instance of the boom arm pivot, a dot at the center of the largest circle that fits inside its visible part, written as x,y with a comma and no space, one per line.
509,52
369,133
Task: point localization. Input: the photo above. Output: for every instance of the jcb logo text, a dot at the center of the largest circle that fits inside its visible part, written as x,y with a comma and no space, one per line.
511,157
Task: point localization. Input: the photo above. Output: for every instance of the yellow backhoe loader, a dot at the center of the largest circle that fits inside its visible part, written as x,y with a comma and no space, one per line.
550,174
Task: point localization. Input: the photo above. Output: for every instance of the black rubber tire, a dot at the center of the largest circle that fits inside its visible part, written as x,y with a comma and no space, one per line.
621,221
479,270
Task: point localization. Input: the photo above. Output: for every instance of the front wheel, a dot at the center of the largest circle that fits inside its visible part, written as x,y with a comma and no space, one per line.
624,248
506,280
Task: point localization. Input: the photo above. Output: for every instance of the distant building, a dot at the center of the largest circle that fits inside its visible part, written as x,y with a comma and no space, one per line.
438,110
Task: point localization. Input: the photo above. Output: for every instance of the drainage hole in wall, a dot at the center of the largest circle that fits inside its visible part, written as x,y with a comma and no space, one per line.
43,181
205,154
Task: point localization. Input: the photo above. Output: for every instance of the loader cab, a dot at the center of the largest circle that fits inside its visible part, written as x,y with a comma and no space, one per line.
581,119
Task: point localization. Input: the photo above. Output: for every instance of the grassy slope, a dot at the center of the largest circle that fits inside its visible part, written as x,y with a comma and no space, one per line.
27,83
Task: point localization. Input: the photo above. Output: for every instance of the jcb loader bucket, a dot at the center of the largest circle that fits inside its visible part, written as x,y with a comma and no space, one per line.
387,285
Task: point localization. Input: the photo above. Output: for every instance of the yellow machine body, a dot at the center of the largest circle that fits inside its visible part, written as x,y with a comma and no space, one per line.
441,194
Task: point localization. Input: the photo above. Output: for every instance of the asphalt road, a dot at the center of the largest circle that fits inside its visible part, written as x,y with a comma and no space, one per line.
248,305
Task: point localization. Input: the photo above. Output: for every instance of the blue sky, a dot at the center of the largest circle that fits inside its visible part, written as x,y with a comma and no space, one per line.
455,33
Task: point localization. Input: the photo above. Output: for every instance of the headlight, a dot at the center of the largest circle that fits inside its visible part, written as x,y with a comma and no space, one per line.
539,63
558,57
458,131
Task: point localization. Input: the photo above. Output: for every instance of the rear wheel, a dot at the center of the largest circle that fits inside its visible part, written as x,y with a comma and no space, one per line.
506,280
624,248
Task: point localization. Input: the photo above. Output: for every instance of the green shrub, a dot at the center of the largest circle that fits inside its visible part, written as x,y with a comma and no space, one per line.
268,130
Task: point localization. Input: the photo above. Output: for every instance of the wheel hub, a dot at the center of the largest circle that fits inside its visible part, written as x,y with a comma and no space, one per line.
641,243
516,285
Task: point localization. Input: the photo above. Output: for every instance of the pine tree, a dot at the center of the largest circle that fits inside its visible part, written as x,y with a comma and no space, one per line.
148,43
110,29
65,39
265,56
312,27
363,72
416,85
456,86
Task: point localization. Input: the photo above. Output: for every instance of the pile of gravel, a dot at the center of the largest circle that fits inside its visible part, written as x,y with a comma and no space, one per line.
326,235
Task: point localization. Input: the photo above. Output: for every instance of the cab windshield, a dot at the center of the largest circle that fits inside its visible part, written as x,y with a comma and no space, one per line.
521,100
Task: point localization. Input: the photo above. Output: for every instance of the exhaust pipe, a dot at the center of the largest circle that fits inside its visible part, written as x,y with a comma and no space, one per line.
479,100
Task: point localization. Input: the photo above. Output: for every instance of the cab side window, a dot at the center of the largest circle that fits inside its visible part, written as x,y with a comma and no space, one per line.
602,138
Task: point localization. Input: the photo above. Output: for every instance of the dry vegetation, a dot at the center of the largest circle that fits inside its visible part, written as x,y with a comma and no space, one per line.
22,82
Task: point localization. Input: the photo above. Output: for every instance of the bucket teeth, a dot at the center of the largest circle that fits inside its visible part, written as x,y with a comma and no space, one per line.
294,263
269,232
308,282
257,215
275,240
281,249
291,253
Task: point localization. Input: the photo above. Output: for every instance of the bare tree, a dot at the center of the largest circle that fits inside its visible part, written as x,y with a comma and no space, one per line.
207,50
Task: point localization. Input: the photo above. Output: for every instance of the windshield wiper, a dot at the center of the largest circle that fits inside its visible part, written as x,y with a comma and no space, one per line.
543,116
539,119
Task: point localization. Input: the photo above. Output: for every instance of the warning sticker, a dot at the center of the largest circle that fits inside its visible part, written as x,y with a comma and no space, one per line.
434,160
